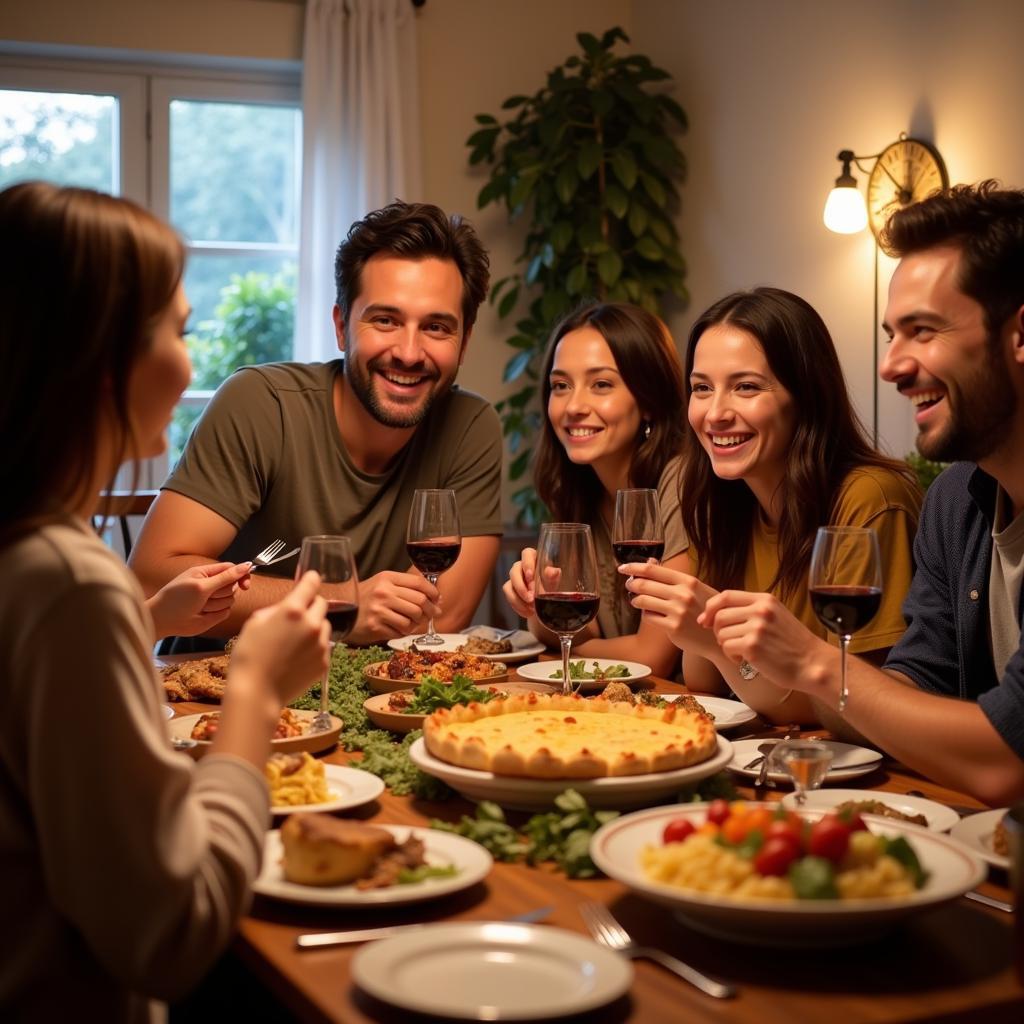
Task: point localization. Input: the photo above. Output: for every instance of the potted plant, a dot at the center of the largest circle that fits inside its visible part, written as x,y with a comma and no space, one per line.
589,161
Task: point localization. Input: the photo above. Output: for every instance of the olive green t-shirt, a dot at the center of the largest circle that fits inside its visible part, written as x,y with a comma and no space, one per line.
268,457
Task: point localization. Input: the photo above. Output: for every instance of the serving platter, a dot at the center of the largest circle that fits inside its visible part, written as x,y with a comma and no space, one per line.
441,848
503,971
377,709
544,672
625,791
376,677
347,787
181,728
953,869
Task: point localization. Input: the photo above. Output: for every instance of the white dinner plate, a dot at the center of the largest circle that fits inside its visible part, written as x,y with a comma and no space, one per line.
952,867
539,794
544,672
181,727
492,971
976,831
848,761
441,848
727,713
940,817
453,641
348,787
168,710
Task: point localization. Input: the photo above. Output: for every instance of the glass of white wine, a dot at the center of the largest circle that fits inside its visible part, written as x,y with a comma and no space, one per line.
806,762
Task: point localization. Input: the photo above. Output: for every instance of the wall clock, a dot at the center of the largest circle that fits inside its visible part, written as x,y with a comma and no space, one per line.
905,172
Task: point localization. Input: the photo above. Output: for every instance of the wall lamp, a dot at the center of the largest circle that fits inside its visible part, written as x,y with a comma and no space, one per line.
904,172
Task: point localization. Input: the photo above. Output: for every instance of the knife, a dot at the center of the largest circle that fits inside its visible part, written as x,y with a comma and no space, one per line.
318,940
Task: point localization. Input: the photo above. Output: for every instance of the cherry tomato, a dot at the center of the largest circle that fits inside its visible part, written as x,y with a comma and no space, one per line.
677,830
791,831
718,812
760,818
736,828
855,823
829,838
775,856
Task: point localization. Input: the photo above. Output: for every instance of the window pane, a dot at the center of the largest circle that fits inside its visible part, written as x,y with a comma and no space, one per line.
243,313
66,138
234,171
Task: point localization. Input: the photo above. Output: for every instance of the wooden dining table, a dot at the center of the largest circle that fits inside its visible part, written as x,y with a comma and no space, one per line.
952,963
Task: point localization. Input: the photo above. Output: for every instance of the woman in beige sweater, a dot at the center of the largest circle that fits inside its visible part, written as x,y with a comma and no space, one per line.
125,865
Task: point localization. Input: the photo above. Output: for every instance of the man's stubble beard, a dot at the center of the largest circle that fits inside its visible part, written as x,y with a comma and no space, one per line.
361,383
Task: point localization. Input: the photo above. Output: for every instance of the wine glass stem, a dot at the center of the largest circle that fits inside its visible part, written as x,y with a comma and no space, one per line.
566,642
844,642
432,580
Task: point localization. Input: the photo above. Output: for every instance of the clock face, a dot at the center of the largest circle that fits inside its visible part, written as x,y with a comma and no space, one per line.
904,173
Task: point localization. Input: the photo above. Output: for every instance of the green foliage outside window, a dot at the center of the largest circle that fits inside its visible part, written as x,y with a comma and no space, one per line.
925,470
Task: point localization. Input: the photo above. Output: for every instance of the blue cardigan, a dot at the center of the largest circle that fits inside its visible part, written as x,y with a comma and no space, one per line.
946,647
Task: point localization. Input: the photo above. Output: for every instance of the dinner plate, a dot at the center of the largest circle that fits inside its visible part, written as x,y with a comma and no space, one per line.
348,787
492,971
182,726
375,675
539,794
727,713
848,761
544,672
953,869
168,710
441,848
940,818
379,713
976,831
521,651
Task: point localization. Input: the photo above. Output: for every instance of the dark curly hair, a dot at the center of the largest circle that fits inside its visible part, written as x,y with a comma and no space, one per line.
413,231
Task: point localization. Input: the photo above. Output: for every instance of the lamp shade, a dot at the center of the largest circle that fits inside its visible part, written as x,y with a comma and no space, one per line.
845,210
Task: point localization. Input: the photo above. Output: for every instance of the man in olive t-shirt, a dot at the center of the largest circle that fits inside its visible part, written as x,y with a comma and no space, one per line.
287,449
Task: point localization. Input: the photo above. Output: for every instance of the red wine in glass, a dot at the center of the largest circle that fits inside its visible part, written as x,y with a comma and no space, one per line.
566,613
433,557
567,595
638,550
342,617
844,609
845,585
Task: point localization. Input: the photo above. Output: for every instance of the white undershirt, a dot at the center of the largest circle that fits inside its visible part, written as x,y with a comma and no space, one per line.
1005,580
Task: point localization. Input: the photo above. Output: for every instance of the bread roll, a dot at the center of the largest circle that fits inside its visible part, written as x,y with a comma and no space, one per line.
321,850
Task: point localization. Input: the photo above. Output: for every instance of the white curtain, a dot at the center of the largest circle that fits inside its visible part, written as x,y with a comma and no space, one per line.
360,150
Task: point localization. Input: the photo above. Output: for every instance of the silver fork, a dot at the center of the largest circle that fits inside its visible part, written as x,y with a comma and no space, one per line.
610,933
271,555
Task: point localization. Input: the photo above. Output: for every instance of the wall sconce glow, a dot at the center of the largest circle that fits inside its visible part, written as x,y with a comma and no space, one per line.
846,213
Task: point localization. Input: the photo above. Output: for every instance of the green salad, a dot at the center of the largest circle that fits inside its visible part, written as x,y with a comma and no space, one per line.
431,695
579,670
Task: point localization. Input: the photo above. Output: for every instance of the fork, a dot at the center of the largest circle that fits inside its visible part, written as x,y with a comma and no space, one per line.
270,555
607,931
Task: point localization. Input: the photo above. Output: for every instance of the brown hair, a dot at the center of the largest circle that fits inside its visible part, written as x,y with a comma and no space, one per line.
828,442
84,278
986,224
413,231
649,364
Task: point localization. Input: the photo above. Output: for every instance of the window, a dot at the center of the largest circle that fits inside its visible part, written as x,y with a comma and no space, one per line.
218,154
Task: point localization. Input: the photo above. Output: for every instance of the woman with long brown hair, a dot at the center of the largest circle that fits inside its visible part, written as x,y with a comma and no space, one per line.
612,389
774,451
126,865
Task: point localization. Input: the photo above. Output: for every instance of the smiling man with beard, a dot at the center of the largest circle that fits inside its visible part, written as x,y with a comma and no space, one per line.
950,700
293,449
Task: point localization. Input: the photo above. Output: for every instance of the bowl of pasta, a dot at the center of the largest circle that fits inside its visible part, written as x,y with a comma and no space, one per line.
767,875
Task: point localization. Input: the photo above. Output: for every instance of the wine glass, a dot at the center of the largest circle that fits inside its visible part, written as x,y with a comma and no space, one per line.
638,532
845,585
805,761
433,540
566,591
332,557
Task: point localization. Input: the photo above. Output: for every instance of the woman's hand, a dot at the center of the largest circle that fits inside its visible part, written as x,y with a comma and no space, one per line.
760,630
285,645
518,588
673,601
197,599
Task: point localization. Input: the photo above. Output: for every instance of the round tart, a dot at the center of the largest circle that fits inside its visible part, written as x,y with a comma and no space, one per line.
538,736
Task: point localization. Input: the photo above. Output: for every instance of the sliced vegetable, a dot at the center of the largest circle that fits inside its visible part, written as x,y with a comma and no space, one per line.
813,878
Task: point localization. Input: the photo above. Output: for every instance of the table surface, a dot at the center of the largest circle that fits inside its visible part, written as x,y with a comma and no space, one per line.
953,963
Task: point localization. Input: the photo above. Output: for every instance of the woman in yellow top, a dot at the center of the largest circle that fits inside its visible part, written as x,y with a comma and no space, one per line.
774,451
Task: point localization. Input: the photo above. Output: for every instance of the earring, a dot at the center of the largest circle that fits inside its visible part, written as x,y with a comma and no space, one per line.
647,431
